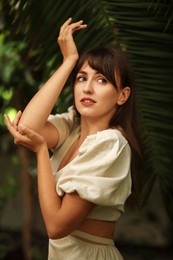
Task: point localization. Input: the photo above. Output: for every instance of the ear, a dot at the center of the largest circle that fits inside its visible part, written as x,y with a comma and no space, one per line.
124,95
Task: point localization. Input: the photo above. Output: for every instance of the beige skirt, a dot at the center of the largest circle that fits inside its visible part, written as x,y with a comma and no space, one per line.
76,247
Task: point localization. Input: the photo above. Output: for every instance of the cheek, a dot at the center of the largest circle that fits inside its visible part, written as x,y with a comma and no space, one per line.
111,97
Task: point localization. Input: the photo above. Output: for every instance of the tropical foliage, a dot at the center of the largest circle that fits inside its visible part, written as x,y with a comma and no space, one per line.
142,29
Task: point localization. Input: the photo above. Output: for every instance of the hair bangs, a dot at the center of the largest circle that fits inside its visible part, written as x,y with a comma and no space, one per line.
100,60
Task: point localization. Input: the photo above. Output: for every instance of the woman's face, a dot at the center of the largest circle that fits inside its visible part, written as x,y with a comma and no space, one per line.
95,97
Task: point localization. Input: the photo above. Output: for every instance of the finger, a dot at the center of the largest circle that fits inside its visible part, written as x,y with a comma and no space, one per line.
27,131
67,27
77,26
31,134
70,29
31,138
83,26
7,119
10,127
8,124
23,138
65,24
13,131
17,118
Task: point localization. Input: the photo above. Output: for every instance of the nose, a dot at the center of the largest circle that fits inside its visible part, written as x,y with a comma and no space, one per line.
88,87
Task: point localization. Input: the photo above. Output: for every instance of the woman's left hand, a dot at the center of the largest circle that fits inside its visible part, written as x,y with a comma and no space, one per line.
26,137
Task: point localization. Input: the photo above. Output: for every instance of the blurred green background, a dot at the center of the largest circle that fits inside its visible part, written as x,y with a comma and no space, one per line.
29,54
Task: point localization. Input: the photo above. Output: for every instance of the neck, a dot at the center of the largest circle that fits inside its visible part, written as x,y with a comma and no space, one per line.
92,126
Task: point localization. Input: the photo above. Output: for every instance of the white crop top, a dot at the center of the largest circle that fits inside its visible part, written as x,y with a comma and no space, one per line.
100,173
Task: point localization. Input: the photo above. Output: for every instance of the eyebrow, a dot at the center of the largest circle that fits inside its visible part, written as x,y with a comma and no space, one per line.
82,72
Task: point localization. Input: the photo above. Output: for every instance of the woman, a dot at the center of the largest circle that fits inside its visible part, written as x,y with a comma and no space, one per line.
94,144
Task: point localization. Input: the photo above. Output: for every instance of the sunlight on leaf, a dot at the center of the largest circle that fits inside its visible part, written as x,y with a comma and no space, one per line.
7,94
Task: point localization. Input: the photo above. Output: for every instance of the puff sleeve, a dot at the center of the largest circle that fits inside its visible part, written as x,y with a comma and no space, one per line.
64,123
101,171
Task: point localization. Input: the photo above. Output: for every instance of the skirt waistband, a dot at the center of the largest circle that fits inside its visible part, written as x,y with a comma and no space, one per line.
93,238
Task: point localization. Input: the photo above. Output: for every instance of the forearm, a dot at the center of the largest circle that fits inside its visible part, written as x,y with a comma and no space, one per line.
50,202
38,109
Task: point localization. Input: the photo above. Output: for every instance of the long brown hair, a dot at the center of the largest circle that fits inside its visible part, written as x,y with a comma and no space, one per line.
114,65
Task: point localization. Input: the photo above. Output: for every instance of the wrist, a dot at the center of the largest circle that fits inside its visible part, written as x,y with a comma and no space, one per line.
42,149
70,61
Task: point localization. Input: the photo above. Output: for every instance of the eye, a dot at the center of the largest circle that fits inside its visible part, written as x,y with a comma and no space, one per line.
80,78
102,80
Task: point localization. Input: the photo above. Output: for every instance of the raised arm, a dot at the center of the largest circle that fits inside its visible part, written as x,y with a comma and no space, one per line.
38,109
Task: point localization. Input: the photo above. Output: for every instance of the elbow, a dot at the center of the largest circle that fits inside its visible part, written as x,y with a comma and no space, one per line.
57,233
54,235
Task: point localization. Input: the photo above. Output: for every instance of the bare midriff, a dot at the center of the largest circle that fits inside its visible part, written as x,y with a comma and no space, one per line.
99,228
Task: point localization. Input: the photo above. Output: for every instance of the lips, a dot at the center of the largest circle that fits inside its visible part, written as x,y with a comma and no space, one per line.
87,100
